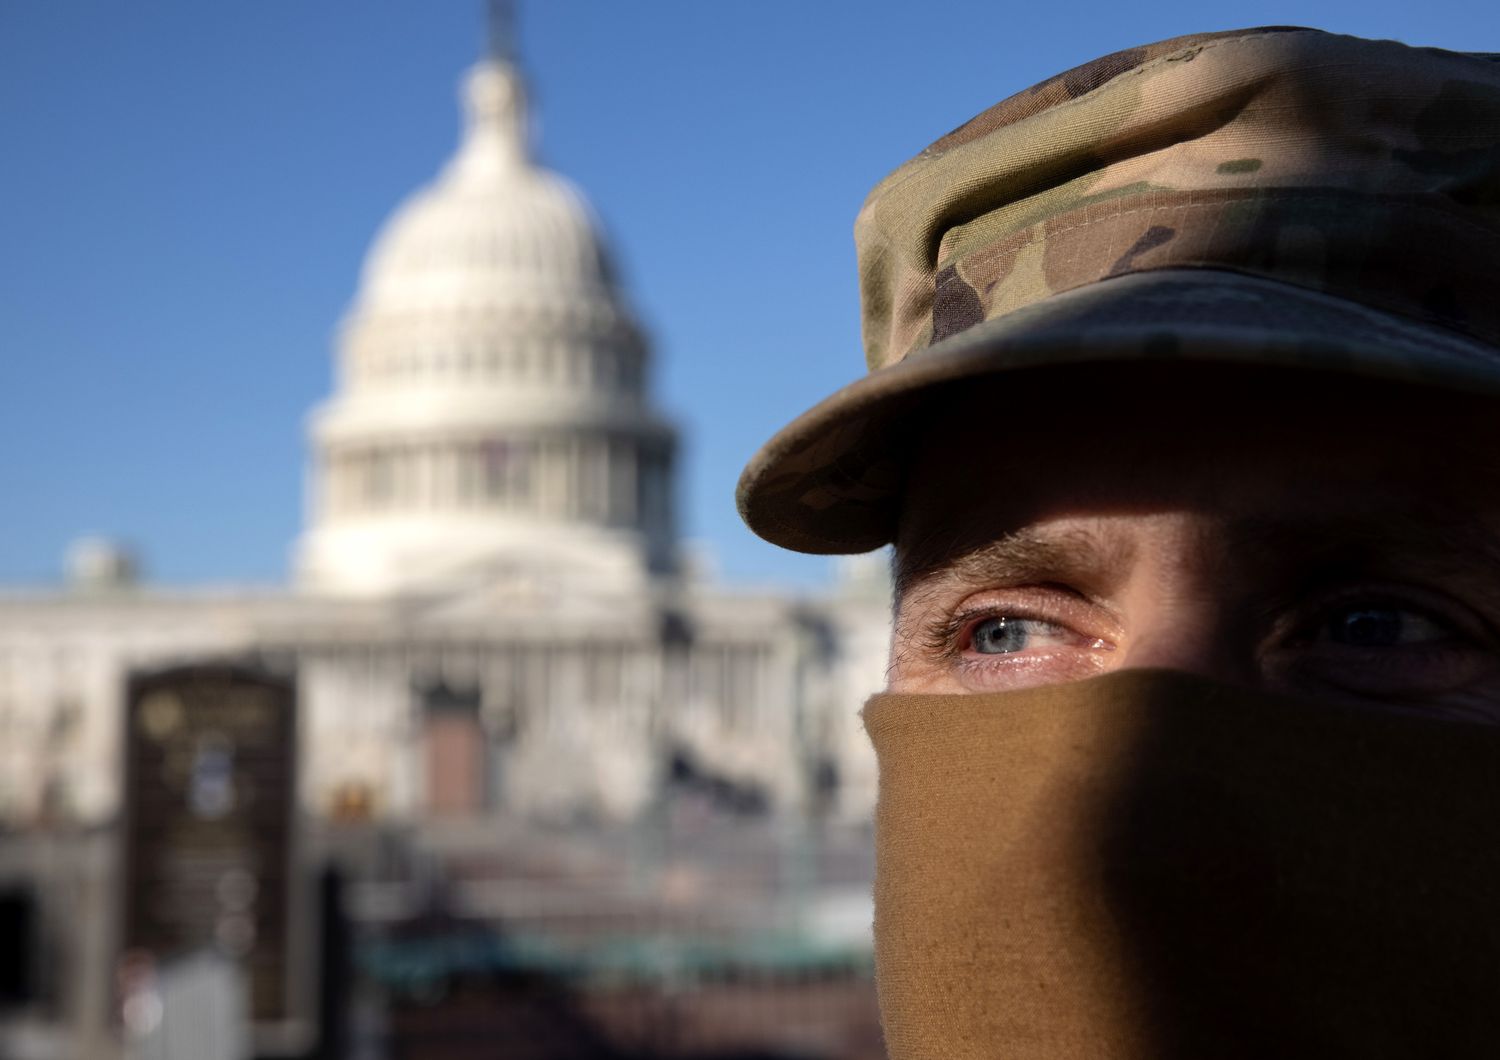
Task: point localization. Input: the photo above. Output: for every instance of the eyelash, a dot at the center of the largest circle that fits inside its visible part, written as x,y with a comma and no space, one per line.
1306,626
949,638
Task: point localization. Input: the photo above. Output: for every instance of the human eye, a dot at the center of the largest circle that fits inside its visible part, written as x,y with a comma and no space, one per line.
1020,642
1381,625
1009,634
1420,649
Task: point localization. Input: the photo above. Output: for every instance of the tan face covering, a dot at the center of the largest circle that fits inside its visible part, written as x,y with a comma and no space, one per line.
1150,865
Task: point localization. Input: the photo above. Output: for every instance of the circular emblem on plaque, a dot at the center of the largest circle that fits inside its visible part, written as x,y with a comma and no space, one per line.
160,715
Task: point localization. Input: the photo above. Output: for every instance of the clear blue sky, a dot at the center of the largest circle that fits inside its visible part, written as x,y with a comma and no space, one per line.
187,189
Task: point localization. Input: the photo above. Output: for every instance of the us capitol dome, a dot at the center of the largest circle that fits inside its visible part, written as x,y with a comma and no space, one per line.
492,408
488,655
487,615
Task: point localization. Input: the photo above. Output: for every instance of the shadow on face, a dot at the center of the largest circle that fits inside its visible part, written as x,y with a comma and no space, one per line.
1296,532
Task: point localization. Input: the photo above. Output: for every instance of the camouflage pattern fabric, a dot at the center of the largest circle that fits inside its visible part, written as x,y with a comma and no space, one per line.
1269,196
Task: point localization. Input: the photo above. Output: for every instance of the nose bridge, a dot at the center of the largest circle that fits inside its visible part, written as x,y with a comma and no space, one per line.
1181,613
1190,640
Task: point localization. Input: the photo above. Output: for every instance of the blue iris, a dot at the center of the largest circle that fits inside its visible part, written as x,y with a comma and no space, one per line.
1366,627
997,636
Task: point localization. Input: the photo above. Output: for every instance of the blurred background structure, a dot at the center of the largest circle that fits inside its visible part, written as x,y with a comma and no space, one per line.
499,772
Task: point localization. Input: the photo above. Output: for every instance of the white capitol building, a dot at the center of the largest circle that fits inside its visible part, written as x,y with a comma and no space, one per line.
489,612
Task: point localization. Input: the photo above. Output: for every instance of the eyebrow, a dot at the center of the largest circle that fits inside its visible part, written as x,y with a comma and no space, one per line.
1440,541
1027,554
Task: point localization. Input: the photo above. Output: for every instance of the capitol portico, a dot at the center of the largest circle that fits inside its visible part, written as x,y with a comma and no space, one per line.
489,613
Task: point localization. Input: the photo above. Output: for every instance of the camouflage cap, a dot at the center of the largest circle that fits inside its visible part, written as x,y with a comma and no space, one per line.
1271,196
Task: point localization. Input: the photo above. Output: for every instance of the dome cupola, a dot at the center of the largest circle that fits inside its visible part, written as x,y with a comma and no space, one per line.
492,215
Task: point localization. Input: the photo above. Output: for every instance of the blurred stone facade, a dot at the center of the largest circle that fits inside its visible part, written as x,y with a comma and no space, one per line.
490,614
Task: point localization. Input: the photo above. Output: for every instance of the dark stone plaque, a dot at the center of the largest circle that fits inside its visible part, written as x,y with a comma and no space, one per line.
210,769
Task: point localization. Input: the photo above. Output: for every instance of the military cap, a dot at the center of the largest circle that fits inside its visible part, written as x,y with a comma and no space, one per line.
1271,196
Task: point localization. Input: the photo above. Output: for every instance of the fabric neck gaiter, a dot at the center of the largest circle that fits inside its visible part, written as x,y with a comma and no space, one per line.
1149,865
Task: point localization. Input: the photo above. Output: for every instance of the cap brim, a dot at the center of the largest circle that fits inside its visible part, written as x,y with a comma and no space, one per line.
830,481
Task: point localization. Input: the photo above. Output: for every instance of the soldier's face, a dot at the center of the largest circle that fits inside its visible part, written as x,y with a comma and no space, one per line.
1327,539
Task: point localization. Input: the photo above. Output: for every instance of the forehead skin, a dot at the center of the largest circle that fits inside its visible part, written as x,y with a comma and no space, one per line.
1261,481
